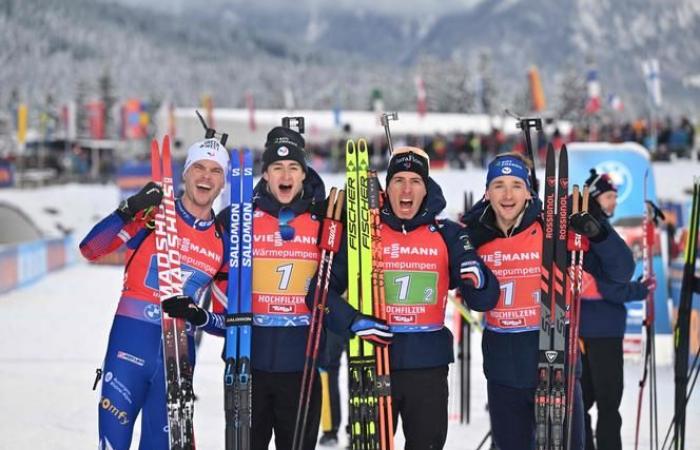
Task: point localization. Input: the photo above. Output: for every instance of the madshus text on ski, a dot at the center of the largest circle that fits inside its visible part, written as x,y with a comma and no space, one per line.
291,271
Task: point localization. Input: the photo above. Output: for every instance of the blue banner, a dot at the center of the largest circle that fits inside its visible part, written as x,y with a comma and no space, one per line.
7,174
626,164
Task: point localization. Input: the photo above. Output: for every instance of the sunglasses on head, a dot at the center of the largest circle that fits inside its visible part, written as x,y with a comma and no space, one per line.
285,216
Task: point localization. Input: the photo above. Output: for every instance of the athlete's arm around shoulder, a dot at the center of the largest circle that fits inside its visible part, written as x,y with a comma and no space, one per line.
339,314
610,258
477,284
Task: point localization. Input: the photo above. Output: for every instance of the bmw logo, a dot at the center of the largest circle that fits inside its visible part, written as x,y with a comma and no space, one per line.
620,175
506,170
283,151
152,312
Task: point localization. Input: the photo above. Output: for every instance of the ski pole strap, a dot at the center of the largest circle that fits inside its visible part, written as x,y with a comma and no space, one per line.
98,376
577,242
331,234
239,319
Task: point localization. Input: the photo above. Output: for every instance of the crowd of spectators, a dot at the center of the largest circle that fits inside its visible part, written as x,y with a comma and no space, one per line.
674,139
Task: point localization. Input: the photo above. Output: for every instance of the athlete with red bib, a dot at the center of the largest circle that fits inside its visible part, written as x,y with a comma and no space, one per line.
506,228
288,206
133,380
424,257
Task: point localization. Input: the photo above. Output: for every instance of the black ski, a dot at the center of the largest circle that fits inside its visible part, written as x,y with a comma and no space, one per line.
681,332
550,395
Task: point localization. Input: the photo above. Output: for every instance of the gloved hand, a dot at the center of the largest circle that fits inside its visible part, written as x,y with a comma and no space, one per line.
183,307
471,273
594,208
149,195
649,283
585,224
372,329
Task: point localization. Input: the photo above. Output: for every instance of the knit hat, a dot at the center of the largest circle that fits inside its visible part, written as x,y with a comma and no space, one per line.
284,144
508,165
210,149
599,183
409,159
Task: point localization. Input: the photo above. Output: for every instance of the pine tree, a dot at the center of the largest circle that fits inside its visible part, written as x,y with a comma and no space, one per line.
571,102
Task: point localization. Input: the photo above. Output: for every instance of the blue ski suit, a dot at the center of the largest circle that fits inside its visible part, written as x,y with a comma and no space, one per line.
133,376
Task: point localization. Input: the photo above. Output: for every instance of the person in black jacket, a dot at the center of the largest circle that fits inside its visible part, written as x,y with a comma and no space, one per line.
506,228
424,257
602,328
285,258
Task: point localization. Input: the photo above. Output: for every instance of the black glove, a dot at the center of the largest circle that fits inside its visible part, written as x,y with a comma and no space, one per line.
656,212
149,195
183,307
585,224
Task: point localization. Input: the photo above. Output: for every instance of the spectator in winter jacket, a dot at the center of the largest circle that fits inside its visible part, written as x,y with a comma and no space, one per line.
602,328
506,228
427,257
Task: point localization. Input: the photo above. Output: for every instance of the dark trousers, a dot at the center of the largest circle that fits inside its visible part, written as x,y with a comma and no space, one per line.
419,396
602,382
330,362
275,402
512,414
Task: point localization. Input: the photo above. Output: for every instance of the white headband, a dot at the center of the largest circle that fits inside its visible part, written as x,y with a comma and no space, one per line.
210,149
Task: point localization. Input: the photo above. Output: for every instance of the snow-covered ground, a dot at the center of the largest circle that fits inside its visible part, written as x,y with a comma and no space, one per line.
55,331
54,334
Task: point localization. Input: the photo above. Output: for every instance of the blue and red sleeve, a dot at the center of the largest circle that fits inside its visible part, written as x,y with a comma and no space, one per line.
109,234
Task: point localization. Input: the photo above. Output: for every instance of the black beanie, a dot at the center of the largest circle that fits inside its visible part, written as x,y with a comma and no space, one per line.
409,159
599,183
283,144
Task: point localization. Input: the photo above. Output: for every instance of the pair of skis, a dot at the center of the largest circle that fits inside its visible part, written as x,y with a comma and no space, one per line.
239,319
550,394
178,368
331,235
370,407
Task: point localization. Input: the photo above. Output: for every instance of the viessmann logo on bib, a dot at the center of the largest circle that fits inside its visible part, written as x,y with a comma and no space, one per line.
497,258
397,251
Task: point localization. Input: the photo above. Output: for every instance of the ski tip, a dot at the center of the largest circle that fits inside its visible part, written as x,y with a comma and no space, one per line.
350,146
362,145
166,141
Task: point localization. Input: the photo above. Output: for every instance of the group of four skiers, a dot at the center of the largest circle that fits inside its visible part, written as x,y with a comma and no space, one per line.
466,257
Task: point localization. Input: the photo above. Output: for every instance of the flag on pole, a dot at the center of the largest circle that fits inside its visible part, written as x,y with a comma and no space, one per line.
650,67
593,92
22,114
421,97
536,91
171,120
615,103
250,103
288,99
337,111
208,105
